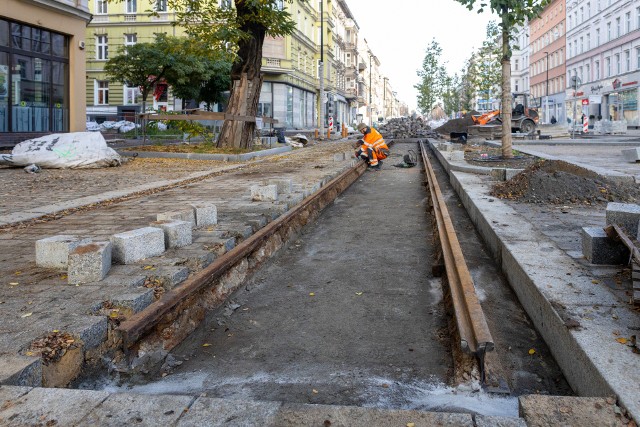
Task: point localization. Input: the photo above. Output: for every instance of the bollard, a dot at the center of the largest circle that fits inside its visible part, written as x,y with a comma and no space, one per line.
328,133
315,133
585,125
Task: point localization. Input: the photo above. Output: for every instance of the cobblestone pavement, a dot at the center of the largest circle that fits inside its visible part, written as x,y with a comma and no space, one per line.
35,300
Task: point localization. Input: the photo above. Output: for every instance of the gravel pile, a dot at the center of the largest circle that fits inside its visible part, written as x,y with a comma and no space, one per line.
406,127
457,125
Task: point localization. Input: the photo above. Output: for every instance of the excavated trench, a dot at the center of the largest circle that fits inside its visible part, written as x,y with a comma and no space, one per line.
348,312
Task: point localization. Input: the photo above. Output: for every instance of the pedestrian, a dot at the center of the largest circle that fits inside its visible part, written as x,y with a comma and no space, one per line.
371,148
553,120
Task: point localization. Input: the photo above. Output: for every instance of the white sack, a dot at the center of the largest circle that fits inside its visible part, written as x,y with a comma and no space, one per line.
62,151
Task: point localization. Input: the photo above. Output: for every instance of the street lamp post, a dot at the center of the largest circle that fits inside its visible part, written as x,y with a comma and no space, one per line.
546,113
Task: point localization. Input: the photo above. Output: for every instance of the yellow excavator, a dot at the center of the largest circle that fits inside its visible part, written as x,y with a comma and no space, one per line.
523,118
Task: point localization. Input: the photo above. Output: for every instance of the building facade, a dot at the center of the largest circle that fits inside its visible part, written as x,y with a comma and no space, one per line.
114,25
603,39
547,62
42,68
520,60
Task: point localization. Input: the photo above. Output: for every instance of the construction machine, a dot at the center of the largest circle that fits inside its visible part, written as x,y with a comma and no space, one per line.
523,118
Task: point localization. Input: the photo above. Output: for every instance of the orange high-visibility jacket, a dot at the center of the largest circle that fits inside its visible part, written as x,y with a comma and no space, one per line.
374,140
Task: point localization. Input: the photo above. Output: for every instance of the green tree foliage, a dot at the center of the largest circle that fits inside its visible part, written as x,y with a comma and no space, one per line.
432,77
451,98
488,70
512,13
468,83
143,65
212,90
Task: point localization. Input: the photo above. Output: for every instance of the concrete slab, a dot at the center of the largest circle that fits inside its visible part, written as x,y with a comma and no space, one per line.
20,370
89,263
53,252
206,214
135,245
8,393
46,406
539,411
220,412
176,233
486,421
137,409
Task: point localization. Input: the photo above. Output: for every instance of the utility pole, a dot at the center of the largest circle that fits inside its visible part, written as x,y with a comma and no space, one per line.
321,70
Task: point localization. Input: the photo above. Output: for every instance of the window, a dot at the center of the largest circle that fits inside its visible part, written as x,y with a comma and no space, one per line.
588,41
517,64
597,67
618,29
580,74
161,5
131,6
581,45
588,10
101,7
607,62
608,31
638,58
627,22
517,85
637,17
102,48
131,95
627,60
618,65
102,92
598,37
588,72
130,39
581,14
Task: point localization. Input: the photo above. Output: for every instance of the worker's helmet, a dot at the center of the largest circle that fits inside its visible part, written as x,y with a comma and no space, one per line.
361,126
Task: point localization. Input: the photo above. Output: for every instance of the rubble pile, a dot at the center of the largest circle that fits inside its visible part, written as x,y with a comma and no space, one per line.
406,127
458,125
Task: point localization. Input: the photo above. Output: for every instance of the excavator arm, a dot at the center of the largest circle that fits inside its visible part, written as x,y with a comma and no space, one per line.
485,118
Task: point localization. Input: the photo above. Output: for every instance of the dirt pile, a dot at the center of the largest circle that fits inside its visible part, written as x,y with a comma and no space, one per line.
457,125
407,127
558,182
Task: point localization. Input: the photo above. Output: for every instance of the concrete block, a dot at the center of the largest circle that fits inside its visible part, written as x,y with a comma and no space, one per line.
205,213
539,410
338,157
264,193
138,409
285,186
597,248
510,173
626,215
53,252
494,421
52,406
169,277
457,156
89,263
137,300
631,154
187,214
92,330
499,174
176,233
217,412
20,371
136,245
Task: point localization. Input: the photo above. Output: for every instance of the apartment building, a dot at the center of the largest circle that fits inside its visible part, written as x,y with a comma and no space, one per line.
520,60
547,67
42,68
603,42
114,25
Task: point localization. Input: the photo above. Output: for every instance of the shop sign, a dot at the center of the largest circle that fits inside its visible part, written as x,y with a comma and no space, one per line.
616,84
630,83
596,88
585,101
595,99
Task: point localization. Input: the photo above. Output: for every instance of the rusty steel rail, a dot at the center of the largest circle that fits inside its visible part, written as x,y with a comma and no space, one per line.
135,327
472,326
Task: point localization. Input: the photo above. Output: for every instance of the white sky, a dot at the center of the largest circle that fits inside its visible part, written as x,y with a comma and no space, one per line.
398,33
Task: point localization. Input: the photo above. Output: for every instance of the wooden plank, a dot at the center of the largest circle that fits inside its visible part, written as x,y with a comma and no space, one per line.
206,115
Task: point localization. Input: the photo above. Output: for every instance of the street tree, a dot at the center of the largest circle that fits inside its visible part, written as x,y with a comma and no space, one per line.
451,98
240,31
488,73
467,83
432,75
144,65
212,91
511,13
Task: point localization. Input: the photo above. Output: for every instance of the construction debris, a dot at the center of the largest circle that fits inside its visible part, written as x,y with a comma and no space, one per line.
407,127
458,126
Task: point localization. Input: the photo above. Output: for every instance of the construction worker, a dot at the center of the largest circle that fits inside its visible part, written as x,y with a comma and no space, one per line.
372,148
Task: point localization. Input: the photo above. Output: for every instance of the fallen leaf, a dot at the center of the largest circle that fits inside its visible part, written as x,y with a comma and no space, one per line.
385,385
206,345
532,351
17,273
358,293
314,391
312,294
29,353
411,424
56,331
26,315
595,282
148,267
14,284
621,340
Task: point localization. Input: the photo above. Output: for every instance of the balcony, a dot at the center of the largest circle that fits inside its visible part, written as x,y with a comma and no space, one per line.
362,66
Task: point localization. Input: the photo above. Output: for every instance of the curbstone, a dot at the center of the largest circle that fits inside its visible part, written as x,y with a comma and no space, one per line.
187,215
285,186
510,173
92,330
597,248
21,370
176,233
626,215
338,157
457,156
89,263
137,300
53,252
136,245
631,154
264,193
205,214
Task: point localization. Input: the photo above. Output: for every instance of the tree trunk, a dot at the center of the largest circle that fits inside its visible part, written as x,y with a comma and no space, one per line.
507,152
246,82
